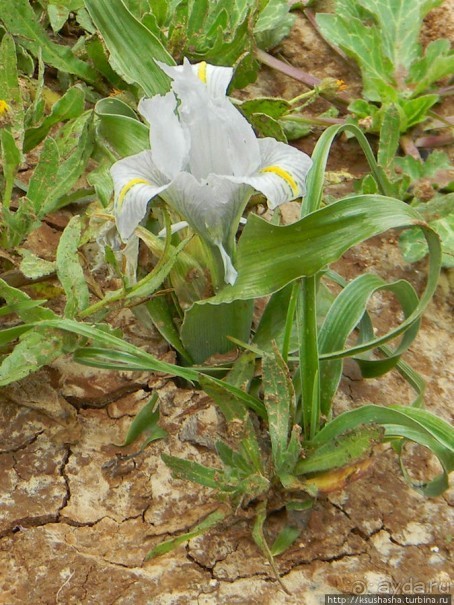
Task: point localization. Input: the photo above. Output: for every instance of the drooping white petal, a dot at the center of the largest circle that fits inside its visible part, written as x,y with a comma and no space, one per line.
230,273
213,209
168,140
136,181
282,173
222,140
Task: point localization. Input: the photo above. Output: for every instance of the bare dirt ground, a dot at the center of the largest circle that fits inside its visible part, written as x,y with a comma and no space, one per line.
77,516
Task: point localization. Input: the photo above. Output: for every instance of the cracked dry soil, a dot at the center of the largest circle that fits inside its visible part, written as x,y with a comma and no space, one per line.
78,515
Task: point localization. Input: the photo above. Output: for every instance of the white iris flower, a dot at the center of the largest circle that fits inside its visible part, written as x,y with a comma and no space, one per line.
205,161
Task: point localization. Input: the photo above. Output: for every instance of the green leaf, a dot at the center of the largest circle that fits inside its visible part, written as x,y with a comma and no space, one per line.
201,528
19,299
70,105
363,44
437,63
33,266
206,329
415,110
146,423
270,256
161,315
231,400
389,137
275,108
414,247
339,452
345,314
34,350
58,15
118,128
69,270
9,87
42,181
273,24
11,159
20,21
195,472
401,422
124,35
279,400
286,537
267,126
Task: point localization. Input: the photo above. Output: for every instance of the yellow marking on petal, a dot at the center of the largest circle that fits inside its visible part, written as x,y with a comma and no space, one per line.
129,185
284,175
4,107
202,72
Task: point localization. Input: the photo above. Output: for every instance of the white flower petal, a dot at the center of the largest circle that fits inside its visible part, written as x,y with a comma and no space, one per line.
174,228
136,181
169,141
230,273
282,173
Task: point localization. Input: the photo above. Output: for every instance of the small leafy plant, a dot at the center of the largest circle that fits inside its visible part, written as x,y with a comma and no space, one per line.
383,38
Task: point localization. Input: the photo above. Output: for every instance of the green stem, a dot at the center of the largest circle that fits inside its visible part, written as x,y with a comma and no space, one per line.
289,320
308,357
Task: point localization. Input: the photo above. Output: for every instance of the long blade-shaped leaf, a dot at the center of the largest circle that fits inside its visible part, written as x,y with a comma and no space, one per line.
134,49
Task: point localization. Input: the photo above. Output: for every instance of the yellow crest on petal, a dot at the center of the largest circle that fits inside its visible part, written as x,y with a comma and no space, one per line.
129,185
284,175
202,72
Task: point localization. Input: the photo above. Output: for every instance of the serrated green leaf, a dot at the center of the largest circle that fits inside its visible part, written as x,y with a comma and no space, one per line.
389,137
415,110
279,400
190,470
268,127
363,44
70,105
34,350
340,452
275,108
9,88
437,63
15,297
400,422
20,21
58,15
69,270
33,266
11,159
414,247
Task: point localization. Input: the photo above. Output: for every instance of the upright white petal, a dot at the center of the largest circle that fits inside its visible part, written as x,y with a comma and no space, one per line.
169,141
222,140
216,78
282,172
136,181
